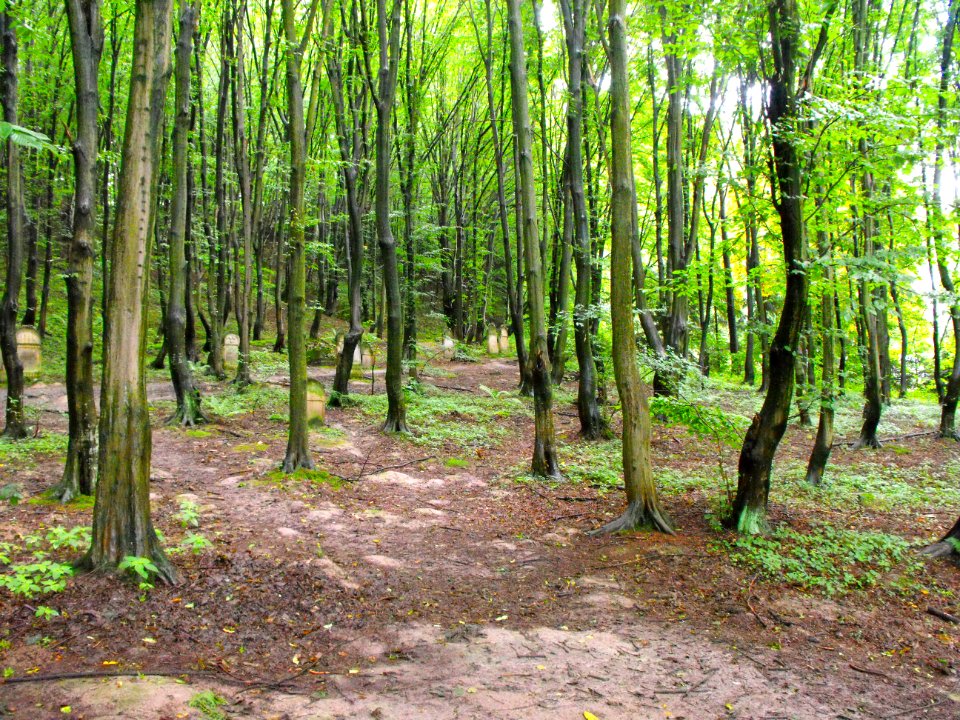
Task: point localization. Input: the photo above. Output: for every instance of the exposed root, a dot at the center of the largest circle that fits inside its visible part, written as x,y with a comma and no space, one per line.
637,516
871,443
395,425
943,548
297,460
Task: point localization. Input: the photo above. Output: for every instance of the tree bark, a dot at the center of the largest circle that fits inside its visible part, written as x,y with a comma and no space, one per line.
121,514
16,426
545,462
188,412
86,35
643,506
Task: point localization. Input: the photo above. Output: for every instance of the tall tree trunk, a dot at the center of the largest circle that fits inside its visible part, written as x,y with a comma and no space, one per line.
15,421
545,462
188,412
388,31
86,36
643,506
298,437
242,160
592,424
748,514
121,514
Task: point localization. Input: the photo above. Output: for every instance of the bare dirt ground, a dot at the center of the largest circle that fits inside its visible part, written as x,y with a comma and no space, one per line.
410,587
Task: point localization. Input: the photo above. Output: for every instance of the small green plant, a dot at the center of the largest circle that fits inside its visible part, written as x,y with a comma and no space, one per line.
209,704
139,566
11,493
456,463
195,543
45,613
189,514
75,539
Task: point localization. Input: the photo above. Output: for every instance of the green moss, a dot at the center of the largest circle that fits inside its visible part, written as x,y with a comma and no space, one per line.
197,433
250,447
48,497
752,521
456,463
315,476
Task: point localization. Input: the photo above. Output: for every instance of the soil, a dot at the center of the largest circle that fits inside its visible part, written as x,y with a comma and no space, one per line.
405,587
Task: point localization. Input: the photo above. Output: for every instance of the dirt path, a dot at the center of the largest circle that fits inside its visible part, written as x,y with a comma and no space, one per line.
416,590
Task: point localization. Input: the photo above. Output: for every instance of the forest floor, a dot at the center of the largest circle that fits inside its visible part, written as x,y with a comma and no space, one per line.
427,577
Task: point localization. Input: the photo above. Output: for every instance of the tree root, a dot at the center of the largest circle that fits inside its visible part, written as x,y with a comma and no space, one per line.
297,460
637,516
395,425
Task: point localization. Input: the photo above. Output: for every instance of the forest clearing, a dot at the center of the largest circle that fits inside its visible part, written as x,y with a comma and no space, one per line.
457,359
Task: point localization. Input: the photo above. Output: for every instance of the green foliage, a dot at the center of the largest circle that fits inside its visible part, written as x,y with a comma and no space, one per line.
703,421
209,704
75,539
45,613
141,567
37,578
31,139
11,493
831,560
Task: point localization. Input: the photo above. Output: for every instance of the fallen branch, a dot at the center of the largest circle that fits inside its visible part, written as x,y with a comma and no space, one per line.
95,674
363,473
943,615
868,671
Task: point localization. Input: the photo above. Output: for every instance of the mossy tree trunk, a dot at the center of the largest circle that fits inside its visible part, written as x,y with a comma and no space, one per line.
643,506
121,516
298,437
15,425
188,411
824,442
545,462
86,38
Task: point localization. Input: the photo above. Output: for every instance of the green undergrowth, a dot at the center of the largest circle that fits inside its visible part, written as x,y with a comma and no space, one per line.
873,486
827,559
436,417
24,453
233,401
48,497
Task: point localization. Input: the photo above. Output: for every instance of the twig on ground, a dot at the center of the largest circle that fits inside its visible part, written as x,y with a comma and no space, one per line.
868,671
943,615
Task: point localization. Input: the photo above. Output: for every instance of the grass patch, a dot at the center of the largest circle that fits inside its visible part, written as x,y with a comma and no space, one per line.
25,452
233,401
435,418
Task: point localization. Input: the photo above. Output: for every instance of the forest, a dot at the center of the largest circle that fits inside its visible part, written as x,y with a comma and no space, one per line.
464,359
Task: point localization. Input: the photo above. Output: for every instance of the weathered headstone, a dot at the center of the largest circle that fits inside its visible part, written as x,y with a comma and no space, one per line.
504,340
231,350
447,345
366,356
28,350
316,403
493,344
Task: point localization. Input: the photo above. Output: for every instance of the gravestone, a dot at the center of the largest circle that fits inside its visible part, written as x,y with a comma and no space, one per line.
316,403
366,356
447,346
493,344
231,350
28,350
504,341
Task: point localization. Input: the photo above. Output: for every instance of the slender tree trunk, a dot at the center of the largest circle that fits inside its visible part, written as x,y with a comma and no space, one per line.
15,427
822,446
298,437
748,514
121,514
643,506
545,462
188,412
86,36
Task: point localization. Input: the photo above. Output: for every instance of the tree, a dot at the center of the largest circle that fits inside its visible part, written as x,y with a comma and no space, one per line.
121,515
545,462
86,36
298,445
643,507
15,426
787,85
188,411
